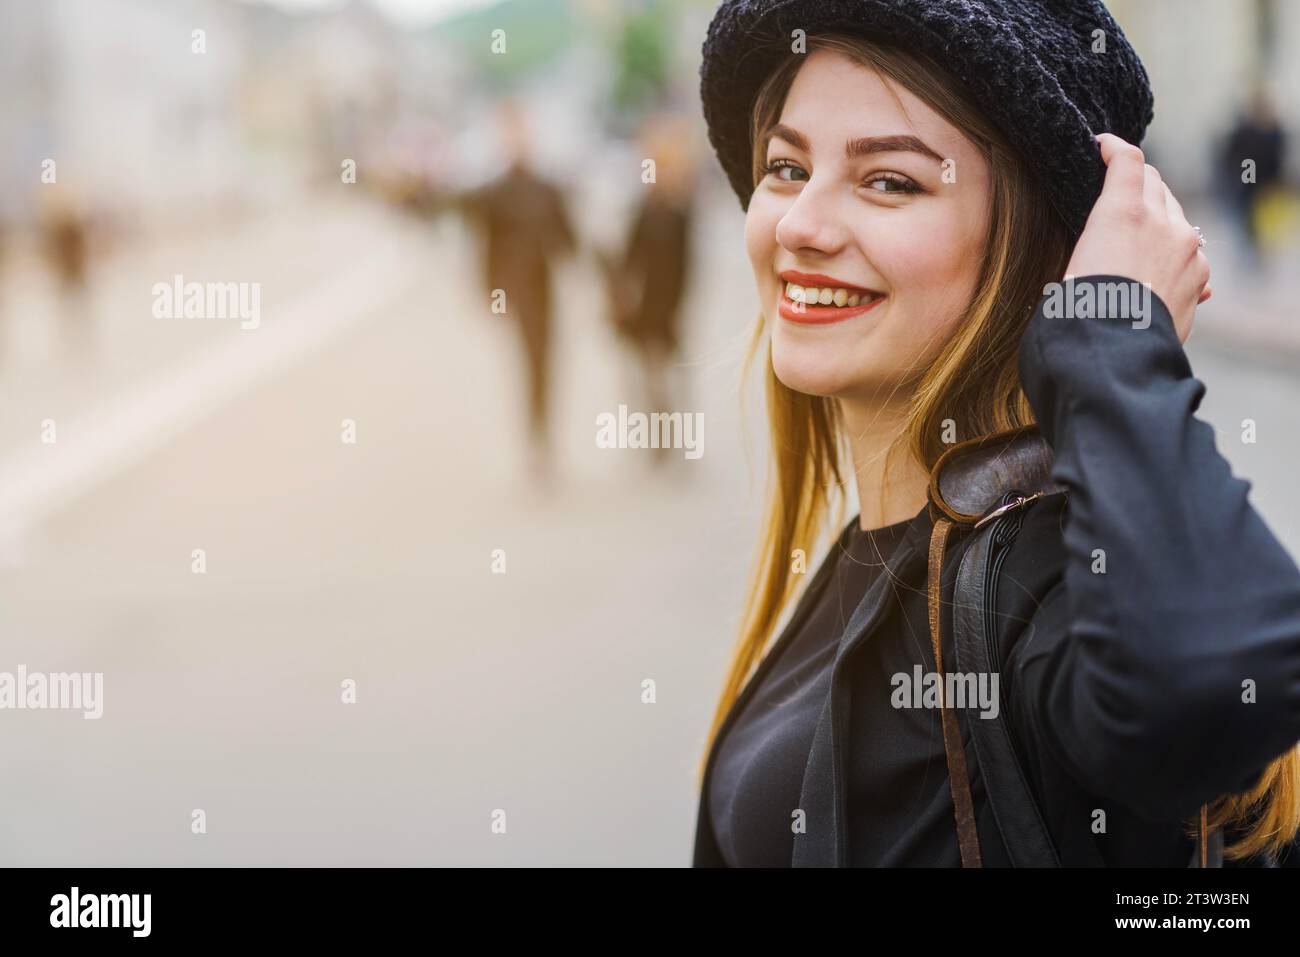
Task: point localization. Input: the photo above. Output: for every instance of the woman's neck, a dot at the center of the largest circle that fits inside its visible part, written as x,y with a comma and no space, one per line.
884,498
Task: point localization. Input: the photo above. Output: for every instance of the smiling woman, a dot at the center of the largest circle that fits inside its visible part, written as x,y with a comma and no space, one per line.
874,169
903,226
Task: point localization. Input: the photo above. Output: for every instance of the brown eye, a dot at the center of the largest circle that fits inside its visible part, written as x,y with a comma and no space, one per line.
894,183
781,164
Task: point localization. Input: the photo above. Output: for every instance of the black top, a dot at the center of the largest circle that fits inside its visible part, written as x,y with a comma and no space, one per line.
898,784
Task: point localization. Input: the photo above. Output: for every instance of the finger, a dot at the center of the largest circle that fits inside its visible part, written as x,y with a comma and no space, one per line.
1125,167
1177,218
1201,277
1153,192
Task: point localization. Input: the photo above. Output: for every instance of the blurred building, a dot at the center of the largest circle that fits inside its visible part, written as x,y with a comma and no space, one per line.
1203,57
110,90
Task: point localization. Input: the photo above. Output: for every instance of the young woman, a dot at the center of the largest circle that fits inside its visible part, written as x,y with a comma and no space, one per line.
916,176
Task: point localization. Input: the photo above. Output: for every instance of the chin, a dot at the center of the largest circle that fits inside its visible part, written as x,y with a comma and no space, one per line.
834,360
815,371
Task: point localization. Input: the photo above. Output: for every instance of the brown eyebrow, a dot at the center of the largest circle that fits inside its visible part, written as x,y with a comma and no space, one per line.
854,149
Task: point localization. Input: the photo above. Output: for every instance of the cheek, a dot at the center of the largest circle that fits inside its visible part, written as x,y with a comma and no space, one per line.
931,265
760,234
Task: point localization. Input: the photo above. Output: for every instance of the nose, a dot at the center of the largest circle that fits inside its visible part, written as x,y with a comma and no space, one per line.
813,222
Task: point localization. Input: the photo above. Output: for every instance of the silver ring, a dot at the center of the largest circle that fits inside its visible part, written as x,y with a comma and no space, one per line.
1200,238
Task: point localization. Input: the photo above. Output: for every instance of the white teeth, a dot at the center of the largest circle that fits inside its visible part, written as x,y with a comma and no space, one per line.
825,295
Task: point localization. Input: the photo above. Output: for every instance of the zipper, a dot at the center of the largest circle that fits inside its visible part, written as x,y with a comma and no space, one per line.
1006,528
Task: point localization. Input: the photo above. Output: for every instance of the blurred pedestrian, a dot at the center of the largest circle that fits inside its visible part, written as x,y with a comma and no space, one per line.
67,241
646,282
1257,138
526,230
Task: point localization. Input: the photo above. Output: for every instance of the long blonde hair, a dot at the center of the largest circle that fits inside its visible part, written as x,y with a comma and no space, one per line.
974,381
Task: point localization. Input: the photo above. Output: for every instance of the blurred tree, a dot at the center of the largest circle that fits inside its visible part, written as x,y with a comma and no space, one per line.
643,60
534,32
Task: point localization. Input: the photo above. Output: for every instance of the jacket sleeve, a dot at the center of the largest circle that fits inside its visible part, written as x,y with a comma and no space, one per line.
1171,674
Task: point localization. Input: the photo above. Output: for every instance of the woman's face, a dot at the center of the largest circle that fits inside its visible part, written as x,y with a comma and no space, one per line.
900,224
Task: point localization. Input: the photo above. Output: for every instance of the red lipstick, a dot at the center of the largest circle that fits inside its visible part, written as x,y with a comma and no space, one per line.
819,314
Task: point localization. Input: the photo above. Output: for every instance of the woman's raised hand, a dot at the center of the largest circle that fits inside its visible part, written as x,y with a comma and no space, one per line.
1137,229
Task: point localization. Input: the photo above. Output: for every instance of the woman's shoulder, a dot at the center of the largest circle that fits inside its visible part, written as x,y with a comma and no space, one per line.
1041,537
1034,563
1037,550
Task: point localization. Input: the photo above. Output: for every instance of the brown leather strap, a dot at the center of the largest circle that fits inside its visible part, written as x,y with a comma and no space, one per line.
958,779
1204,842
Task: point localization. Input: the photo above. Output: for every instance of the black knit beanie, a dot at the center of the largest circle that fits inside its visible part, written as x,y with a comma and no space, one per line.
1038,68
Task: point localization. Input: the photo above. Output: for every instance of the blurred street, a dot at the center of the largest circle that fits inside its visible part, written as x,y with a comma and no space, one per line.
380,571
373,561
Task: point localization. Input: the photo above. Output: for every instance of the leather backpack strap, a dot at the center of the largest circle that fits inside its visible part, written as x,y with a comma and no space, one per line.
1201,843
1209,843
967,485
970,479
958,778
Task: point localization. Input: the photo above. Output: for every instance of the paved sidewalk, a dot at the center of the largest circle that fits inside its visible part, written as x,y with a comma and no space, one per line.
1252,315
